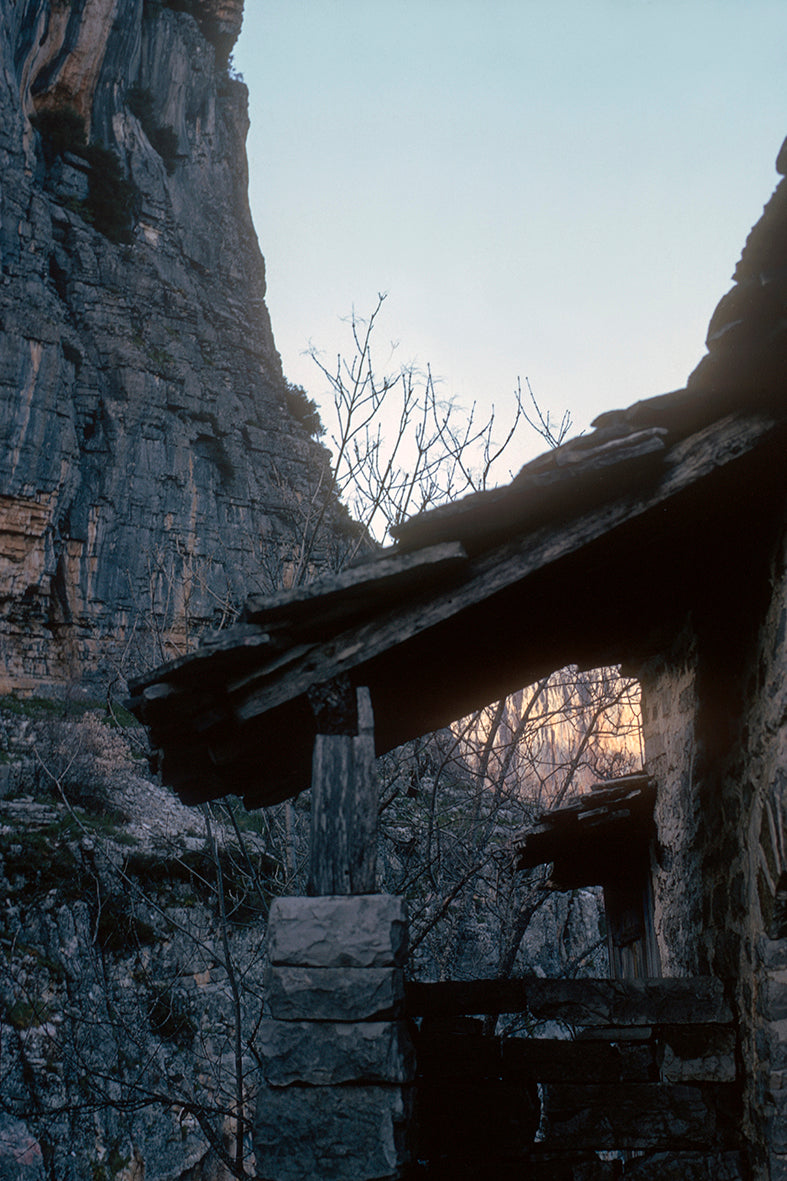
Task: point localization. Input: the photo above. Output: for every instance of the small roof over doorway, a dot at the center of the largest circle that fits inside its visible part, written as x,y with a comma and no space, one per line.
597,838
604,838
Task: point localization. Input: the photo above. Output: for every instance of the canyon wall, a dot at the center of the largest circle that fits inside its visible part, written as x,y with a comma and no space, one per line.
151,469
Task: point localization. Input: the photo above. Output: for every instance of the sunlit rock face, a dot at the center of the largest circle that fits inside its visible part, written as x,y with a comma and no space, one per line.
150,472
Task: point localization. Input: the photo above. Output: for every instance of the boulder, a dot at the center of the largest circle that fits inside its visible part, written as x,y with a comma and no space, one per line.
347,1133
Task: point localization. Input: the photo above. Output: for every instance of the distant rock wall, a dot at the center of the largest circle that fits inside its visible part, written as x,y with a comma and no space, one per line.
150,471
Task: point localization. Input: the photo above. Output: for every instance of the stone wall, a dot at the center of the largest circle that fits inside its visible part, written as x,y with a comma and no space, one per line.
715,726
757,781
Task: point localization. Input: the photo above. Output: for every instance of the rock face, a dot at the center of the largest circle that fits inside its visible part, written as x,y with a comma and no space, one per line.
150,470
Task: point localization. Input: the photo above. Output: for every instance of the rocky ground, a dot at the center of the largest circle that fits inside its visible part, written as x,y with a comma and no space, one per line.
131,958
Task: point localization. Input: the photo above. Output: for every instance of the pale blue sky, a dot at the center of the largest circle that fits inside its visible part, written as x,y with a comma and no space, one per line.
553,189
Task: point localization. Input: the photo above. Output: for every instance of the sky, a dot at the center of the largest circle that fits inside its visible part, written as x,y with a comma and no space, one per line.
550,189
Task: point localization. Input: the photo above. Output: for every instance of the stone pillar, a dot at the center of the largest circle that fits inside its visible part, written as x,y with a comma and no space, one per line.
337,1058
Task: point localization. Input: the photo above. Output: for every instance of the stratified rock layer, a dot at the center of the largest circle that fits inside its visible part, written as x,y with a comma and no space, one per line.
150,472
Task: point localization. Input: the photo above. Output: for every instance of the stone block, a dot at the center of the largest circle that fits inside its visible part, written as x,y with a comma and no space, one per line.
348,931
616,1033
778,1167
327,1053
776,1123
333,994
351,1133
773,996
687,1166
662,1116
651,1166
700,1054
656,745
773,1044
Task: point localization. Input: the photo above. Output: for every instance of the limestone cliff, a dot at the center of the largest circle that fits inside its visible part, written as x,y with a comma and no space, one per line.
150,470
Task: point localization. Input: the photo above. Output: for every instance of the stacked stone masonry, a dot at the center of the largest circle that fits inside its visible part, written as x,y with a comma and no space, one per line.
337,1057
715,730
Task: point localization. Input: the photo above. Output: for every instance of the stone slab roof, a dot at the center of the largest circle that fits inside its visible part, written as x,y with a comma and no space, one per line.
592,555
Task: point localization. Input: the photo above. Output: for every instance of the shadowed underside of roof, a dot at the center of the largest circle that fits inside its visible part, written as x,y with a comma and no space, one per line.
592,555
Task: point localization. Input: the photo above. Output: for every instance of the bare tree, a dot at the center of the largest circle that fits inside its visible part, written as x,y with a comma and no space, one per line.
398,447
130,975
448,804
451,801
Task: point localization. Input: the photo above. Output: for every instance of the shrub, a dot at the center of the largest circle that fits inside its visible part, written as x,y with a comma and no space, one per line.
84,758
304,409
170,1019
164,140
40,707
189,6
28,1012
112,199
140,103
119,929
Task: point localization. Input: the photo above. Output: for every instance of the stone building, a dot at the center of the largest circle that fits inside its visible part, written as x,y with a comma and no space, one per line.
656,542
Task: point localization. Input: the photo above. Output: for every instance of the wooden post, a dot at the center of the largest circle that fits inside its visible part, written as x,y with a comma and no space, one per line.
631,933
343,857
